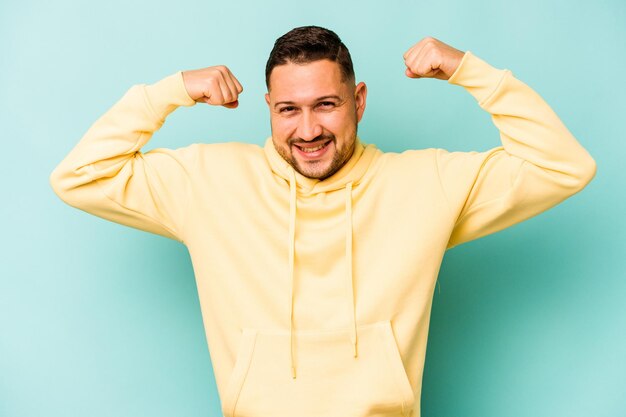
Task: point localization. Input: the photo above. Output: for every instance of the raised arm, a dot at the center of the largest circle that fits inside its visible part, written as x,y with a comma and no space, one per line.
538,164
107,175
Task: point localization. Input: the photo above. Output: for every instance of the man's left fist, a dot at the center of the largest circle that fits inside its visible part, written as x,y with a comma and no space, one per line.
431,58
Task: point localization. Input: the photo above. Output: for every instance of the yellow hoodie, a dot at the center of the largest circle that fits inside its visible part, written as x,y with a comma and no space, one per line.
316,295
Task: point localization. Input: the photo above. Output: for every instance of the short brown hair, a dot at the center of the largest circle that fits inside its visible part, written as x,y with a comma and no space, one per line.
307,44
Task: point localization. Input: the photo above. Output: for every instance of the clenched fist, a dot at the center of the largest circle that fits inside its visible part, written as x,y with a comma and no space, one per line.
431,58
213,85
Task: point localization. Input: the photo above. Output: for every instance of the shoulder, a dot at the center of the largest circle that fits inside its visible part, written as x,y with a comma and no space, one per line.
412,159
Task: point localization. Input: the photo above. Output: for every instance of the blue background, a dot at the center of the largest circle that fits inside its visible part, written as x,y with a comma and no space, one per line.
101,320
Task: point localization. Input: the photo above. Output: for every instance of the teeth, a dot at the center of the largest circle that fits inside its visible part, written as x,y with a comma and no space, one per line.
317,148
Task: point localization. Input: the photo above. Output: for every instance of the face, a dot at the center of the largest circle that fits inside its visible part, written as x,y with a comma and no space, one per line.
314,115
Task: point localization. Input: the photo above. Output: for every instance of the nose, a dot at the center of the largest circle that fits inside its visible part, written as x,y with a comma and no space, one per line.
309,127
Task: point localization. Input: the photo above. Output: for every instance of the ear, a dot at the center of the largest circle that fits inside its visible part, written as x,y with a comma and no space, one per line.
360,98
267,99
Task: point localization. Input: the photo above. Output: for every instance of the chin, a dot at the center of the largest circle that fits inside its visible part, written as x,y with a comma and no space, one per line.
318,173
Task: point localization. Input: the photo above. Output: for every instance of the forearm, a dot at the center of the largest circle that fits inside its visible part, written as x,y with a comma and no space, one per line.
121,132
529,128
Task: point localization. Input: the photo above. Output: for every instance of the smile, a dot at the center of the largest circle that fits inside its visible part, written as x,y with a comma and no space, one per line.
313,150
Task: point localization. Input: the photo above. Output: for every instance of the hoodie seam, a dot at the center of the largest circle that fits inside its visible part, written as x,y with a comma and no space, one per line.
169,229
441,184
485,102
501,197
150,106
101,189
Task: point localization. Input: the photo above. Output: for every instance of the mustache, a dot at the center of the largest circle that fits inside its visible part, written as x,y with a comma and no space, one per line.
323,137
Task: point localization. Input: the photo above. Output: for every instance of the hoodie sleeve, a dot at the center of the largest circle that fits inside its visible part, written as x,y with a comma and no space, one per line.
107,175
538,165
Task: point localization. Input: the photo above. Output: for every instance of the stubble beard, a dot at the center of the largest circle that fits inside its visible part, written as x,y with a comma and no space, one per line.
312,170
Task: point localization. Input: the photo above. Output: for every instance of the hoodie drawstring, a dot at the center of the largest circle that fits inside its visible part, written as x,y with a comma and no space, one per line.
349,273
349,277
292,253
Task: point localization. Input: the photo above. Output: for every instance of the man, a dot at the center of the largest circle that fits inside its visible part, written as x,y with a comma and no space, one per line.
316,255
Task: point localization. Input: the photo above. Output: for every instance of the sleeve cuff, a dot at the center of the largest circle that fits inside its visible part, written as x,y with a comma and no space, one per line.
478,77
168,94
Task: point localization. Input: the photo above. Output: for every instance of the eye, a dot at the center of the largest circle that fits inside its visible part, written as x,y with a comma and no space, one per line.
287,109
326,104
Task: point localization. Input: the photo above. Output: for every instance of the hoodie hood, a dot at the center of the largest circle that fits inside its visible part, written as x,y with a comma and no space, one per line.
348,177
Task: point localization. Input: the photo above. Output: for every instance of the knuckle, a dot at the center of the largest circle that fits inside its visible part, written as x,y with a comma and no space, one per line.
430,42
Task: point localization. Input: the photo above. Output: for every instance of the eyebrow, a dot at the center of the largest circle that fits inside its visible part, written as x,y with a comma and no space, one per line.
316,100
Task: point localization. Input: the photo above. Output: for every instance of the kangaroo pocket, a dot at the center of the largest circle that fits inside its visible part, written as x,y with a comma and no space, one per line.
330,380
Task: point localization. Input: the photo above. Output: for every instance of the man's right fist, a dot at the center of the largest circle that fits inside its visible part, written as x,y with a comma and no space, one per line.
213,85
